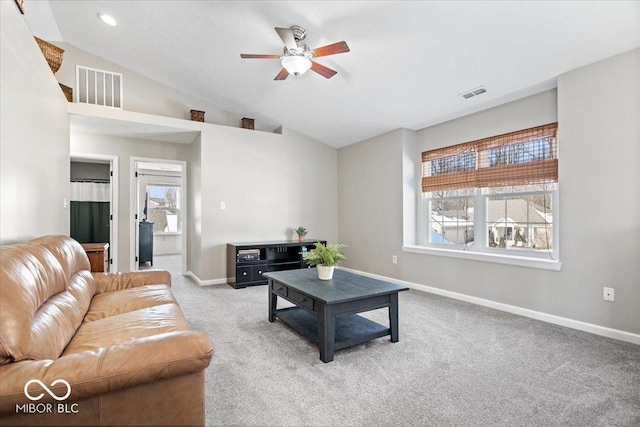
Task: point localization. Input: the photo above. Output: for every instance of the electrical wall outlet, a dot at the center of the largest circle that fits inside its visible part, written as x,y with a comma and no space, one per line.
608,294
394,259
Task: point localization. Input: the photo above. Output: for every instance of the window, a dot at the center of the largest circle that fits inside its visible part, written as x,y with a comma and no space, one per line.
163,208
451,218
519,220
495,195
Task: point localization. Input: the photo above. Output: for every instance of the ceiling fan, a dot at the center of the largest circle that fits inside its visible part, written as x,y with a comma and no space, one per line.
297,57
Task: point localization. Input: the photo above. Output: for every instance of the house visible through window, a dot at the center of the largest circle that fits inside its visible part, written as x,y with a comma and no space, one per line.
496,194
163,208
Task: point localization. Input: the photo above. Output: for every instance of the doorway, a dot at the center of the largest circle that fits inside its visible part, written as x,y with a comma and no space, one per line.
94,202
159,212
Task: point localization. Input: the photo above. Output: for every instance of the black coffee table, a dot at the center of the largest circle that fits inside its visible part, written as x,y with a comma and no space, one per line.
325,311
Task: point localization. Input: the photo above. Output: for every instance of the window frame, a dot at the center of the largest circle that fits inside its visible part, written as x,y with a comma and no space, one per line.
178,203
480,249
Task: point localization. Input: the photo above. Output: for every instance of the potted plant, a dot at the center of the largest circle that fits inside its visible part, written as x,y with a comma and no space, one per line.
301,233
325,259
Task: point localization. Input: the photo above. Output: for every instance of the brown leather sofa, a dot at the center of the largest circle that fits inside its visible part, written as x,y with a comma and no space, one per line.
78,348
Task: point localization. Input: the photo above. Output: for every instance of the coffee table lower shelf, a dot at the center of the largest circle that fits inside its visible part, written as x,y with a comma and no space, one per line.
350,330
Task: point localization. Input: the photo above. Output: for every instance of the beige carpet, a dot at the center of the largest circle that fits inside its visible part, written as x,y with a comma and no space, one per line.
456,364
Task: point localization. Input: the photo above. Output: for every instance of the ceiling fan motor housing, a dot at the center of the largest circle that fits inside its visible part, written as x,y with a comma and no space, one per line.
302,50
299,33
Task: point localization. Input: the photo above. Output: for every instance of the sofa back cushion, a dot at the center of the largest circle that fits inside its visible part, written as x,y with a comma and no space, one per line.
45,291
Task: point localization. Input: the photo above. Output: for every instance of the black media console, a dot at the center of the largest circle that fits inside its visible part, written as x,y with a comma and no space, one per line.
246,262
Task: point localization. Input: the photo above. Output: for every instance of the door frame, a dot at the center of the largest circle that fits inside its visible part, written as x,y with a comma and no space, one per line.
113,204
133,211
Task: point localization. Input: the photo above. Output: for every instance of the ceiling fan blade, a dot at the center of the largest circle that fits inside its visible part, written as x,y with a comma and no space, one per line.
322,70
282,75
331,49
257,56
287,37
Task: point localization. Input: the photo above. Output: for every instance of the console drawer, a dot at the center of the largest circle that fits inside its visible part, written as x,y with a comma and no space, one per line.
279,289
243,274
301,299
256,272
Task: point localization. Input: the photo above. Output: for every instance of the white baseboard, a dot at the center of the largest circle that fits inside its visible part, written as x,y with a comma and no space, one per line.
545,317
206,282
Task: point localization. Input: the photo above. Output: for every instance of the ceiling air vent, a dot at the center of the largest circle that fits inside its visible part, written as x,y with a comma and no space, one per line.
473,92
98,87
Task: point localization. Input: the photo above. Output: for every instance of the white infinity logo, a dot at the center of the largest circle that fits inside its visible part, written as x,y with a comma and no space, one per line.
52,394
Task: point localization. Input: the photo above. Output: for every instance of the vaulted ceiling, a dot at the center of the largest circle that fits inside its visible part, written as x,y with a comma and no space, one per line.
410,61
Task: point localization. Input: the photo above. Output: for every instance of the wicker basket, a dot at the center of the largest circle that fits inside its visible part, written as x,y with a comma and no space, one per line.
53,54
197,116
247,123
68,92
20,4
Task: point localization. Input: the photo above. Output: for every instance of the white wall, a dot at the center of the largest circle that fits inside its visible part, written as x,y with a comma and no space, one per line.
271,184
599,113
142,94
194,208
370,202
125,148
597,108
34,137
167,244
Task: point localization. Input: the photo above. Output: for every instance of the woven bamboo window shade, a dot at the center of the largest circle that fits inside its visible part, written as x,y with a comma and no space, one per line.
449,168
528,156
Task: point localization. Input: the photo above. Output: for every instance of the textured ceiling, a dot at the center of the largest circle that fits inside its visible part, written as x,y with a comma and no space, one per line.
408,65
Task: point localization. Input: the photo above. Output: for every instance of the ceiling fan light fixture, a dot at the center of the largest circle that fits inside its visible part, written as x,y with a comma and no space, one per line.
296,65
297,57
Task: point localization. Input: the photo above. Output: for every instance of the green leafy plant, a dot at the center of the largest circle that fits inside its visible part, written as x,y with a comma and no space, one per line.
328,256
301,231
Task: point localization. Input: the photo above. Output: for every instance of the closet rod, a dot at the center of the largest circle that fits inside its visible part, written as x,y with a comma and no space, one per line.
97,181
160,175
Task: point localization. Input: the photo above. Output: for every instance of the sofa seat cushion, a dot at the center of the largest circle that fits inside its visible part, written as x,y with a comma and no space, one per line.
125,327
127,300
107,370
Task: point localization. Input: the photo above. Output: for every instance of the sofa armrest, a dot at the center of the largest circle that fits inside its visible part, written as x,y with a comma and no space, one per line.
109,282
91,373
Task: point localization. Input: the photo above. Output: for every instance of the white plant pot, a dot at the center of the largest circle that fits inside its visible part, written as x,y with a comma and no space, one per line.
325,273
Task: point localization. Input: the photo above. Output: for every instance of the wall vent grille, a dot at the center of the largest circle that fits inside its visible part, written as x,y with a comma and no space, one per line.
98,87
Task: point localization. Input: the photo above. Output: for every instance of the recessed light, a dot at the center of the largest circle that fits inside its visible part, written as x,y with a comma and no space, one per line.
107,19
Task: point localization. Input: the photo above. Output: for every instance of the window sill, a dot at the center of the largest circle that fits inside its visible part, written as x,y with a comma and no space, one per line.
528,262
